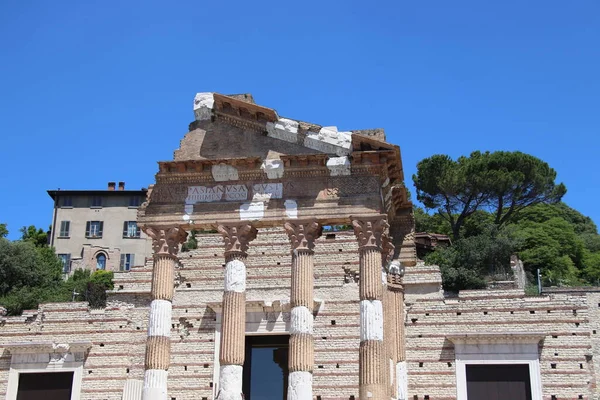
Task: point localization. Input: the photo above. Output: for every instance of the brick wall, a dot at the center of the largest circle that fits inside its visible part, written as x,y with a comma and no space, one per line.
118,333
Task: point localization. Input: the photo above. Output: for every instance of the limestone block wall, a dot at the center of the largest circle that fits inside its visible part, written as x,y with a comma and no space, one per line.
117,333
566,371
268,266
568,360
593,302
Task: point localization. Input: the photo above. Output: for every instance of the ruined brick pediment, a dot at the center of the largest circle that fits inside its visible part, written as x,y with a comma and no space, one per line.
242,161
234,126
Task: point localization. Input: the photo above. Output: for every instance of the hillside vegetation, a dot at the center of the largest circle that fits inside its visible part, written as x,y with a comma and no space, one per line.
31,273
493,205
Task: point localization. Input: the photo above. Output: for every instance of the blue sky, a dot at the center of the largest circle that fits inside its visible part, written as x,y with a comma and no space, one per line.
98,91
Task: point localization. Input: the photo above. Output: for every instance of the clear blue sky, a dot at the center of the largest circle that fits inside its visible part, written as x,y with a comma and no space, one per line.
97,91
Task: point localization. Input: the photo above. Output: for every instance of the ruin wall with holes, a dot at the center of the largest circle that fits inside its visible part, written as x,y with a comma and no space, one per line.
569,321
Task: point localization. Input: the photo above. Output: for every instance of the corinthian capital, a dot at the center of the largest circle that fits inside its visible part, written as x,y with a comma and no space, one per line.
166,240
237,237
370,230
387,250
303,234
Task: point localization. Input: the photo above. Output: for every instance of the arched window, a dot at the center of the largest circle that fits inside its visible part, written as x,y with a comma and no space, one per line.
100,261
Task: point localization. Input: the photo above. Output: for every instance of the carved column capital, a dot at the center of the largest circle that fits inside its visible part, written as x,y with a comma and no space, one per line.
370,230
166,240
303,233
388,248
237,237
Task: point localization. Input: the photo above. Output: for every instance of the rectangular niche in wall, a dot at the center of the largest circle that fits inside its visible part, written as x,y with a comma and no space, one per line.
498,382
45,385
497,365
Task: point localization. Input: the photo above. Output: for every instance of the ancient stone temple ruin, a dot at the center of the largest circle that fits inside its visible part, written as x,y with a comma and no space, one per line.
303,283
259,179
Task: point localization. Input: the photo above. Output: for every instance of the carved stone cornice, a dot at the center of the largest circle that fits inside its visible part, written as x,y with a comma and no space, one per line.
47,347
248,111
370,230
305,160
205,166
303,233
237,237
166,240
495,337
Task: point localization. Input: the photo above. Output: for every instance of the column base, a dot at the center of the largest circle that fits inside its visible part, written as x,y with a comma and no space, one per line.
300,385
155,385
230,382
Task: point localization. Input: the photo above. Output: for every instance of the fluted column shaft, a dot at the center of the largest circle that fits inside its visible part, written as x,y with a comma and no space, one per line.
372,376
396,298
389,320
165,243
233,321
302,234
401,367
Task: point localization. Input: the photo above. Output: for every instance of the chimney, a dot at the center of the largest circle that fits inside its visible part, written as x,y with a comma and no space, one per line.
121,185
111,186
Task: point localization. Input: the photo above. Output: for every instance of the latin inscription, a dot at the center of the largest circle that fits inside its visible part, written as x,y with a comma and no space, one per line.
208,194
320,188
266,191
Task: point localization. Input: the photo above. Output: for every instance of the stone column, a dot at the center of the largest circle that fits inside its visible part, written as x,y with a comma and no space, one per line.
302,234
165,243
369,231
237,237
389,325
396,290
401,368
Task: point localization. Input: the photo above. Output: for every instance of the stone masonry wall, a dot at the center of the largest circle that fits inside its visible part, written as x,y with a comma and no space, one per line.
118,333
566,372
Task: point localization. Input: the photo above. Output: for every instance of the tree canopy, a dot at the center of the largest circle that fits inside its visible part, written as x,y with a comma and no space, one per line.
31,273
3,230
502,203
500,183
554,238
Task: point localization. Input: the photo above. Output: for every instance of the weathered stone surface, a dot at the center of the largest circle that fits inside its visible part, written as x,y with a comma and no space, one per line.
339,166
203,105
329,140
273,168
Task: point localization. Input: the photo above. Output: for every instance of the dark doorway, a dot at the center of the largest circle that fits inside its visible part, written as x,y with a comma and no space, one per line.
46,386
498,382
266,367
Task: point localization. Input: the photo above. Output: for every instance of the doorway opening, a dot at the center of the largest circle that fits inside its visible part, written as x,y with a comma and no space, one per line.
498,382
266,367
45,385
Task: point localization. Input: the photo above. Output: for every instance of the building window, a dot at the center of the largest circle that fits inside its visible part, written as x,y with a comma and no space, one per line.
130,229
65,259
93,229
66,201
127,261
52,385
485,381
266,367
65,227
39,371
134,201
96,201
489,365
100,261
